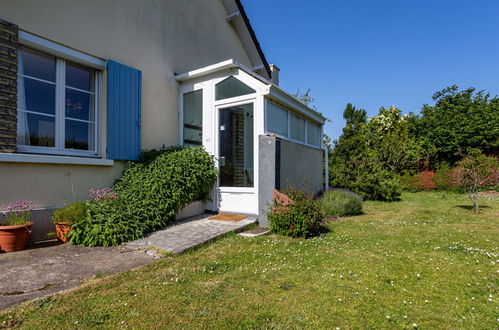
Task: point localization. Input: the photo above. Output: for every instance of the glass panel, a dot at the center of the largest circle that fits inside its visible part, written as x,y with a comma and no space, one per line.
313,134
79,105
36,64
231,87
297,127
277,119
79,135
38,96
36,130
236,146
193,118
80,77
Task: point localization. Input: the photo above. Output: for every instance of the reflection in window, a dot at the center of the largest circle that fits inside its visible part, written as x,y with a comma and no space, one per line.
236,146
36,99
313,134
277,119
231,87
41,114
297,128
79,108
193,118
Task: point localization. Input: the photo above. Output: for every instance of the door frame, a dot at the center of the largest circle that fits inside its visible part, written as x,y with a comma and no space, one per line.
250,194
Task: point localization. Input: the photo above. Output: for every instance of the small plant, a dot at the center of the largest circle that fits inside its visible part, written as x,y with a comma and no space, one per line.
70,214
410,182
340,203
18,213
301,218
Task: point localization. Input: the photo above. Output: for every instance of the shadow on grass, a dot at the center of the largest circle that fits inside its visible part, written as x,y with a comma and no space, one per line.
471,208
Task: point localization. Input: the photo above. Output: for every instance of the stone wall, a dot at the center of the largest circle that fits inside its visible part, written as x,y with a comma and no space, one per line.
8,86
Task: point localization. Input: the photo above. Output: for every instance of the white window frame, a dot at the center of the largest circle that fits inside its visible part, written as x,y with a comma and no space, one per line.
62,55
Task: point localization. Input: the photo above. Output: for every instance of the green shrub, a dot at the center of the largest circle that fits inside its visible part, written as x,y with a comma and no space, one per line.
378,184
300,219
410,182
340,203
150,193
71,213
443,177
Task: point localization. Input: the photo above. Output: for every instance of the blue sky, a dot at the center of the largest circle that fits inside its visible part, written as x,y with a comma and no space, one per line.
375,53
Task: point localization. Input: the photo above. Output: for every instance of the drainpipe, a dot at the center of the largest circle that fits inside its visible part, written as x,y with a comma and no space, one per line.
326,169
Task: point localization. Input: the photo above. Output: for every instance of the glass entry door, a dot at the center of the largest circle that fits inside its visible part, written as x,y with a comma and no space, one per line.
235,150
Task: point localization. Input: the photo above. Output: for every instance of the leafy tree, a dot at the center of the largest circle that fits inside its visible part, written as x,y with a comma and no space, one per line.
476,168
390,137
459,120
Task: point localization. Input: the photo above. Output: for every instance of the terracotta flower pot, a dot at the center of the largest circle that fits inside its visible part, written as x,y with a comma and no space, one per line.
62,230
14,238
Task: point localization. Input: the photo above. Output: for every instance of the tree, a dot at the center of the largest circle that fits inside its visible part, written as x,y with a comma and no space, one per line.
460,120
476,169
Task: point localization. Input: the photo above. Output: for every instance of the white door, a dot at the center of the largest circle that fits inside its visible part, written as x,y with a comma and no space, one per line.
237,158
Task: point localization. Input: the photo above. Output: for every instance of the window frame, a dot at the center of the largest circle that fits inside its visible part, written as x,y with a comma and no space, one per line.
288,137
60,113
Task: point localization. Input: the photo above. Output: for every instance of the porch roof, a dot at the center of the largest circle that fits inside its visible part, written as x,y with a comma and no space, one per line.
271,90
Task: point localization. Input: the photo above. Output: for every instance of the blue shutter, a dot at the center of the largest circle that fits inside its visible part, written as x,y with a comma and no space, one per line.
123,112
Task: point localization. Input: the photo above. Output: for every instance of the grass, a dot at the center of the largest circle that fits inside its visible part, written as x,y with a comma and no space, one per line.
424,262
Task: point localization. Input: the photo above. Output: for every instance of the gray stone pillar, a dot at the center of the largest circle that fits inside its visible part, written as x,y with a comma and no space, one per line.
267,175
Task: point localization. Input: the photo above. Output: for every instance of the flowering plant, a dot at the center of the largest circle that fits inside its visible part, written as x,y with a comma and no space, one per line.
105,194
18,213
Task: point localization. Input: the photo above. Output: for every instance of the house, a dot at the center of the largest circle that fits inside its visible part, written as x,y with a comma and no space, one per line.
86,85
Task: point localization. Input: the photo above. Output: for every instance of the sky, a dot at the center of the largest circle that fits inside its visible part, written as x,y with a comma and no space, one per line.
374,53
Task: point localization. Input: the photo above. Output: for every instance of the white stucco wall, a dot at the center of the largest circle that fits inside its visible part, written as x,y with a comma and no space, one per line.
158,37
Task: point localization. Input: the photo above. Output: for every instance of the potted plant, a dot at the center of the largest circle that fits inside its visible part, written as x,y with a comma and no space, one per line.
65,217
16,226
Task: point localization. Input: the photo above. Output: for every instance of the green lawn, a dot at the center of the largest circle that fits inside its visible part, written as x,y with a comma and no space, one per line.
425,262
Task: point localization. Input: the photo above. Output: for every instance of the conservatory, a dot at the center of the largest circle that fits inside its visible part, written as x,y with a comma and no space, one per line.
262,137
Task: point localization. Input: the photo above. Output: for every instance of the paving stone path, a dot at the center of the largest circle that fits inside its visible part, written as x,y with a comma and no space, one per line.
188,233
46,269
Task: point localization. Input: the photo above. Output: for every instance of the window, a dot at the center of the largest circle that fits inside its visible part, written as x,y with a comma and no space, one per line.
313,134
193,118
231,87
57,105
277,119
297,128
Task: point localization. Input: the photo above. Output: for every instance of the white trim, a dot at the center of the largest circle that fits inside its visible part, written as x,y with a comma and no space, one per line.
268,88
50,47
285,138
27,158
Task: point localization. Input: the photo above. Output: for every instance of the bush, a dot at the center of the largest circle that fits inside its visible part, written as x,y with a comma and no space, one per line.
410,182
300,219
71,213
340,203
378,184
149,195
443,178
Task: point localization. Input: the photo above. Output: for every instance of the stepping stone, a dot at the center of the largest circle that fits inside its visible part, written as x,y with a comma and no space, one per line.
254,232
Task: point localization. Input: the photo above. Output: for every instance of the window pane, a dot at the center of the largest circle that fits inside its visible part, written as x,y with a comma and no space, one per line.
79,105
35,130
297,128
36,64
36,96
80,77
313,134
277,119
236,146
232,87
79,135
193,118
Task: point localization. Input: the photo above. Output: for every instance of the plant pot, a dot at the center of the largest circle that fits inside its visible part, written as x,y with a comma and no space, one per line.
14,238
62,230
